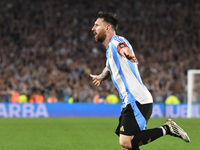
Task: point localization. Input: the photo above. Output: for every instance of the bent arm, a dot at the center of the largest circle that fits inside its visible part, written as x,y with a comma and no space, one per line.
105,74
98,79
125,51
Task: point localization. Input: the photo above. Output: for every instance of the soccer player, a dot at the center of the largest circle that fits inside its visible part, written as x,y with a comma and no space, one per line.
122,66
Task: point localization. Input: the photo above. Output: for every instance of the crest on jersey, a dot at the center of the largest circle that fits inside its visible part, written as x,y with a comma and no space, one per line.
110,55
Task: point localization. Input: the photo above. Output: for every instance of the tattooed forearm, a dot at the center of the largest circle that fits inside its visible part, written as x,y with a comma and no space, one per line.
105,74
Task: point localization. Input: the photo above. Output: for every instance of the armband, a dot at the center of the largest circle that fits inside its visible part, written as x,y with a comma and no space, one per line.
120,46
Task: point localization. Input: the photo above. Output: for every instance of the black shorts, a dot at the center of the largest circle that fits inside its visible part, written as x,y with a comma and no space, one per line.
133,118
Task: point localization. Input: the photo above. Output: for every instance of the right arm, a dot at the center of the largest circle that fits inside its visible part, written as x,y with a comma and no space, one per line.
98,79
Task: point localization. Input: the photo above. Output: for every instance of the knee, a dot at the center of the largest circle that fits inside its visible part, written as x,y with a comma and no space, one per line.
125,145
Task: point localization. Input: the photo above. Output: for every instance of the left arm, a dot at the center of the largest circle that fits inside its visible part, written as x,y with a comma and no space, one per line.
125,51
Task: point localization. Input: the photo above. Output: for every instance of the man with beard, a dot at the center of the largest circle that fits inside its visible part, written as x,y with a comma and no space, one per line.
122,66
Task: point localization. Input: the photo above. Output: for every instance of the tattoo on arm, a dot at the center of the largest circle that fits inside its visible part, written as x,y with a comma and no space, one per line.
105,74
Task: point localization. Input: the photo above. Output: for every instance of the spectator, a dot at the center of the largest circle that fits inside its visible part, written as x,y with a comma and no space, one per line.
23,98
46,45
52,98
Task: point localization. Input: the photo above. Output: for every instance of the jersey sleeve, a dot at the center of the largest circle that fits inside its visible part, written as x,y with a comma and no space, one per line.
120,43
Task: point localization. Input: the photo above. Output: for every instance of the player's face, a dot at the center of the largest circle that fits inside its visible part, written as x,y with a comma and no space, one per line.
99,30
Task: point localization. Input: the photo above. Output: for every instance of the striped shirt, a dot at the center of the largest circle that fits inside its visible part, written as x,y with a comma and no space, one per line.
125,74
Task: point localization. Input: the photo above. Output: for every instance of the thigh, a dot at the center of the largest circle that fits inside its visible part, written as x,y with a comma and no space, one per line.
133,118
127,122
145,109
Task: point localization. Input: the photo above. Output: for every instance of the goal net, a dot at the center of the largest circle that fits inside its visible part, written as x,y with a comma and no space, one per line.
193,90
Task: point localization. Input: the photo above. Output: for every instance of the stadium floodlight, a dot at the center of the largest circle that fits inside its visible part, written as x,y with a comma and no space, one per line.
193,89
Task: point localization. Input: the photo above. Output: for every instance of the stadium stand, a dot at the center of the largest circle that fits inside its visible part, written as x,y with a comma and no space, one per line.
48,45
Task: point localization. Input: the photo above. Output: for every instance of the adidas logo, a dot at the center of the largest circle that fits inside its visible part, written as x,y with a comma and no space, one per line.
122,129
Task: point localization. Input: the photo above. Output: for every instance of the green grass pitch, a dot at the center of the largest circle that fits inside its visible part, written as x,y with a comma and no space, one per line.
84,134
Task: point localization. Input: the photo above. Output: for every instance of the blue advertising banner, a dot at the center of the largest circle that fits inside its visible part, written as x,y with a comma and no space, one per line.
26,110
59,110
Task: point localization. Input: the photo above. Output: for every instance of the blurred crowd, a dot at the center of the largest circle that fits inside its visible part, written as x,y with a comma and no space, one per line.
47,47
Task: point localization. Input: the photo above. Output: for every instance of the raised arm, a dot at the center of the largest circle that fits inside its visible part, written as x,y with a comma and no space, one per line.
98,79
125,51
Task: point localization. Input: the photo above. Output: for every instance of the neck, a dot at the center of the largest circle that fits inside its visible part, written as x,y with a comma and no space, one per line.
107,40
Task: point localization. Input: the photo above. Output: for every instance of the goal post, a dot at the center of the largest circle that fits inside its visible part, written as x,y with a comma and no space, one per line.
193,89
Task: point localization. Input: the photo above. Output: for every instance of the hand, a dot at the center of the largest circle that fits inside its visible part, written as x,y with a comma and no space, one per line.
131,57
96,80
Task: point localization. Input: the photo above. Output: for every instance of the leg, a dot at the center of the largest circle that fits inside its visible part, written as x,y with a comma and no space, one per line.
146,136
141,138
125,142
126,128
133,124
169,128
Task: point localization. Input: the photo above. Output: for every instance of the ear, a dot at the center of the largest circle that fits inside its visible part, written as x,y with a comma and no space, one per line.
108,27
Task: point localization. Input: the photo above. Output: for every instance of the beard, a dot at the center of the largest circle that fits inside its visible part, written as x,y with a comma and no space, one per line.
101,36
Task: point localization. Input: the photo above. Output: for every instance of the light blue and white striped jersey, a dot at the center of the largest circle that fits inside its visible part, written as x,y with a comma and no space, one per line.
125,74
